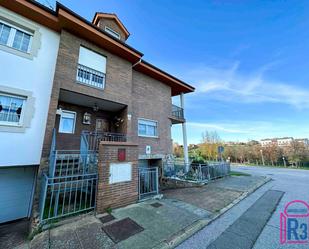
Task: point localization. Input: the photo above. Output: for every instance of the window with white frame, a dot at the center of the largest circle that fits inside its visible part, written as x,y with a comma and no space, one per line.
67,122
11,109
15,37
147,128
112,32
91,68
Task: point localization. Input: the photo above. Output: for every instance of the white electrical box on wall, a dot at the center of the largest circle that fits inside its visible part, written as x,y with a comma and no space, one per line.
148,149
120,172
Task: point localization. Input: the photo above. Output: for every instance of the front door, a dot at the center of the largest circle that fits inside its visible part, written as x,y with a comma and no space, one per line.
101,125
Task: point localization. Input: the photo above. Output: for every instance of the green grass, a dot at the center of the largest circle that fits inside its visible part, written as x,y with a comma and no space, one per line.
237,173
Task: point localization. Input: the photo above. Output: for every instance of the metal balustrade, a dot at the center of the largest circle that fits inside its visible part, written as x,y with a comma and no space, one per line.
89,76
177,112
71,162
91,140
197,172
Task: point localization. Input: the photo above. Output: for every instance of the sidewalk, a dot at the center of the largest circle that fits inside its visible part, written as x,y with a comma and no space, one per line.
155,223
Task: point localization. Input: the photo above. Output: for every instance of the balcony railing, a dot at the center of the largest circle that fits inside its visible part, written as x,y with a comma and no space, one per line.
93,139
177,112
90,77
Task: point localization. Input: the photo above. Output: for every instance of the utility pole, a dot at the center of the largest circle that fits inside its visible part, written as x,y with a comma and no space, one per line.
284,162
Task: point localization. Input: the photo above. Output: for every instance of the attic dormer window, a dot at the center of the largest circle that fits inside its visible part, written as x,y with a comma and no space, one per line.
112,32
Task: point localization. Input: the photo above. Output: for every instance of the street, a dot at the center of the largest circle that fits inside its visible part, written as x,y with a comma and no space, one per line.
295,184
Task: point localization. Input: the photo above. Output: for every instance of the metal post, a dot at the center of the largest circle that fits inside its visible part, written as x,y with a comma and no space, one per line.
139,184
184,134
45,183
157,180
262,157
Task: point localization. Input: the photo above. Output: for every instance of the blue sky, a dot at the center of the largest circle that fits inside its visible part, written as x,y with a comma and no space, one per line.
247,59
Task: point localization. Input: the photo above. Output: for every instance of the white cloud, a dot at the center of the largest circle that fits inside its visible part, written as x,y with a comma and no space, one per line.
240,130
230,84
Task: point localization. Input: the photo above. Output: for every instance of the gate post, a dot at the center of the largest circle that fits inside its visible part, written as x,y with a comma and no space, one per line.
117,175
157,179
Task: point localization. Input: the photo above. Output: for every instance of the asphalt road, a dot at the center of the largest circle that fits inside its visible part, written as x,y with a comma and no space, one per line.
295,184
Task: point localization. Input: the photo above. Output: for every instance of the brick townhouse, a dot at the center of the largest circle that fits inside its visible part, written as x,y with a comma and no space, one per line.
109,116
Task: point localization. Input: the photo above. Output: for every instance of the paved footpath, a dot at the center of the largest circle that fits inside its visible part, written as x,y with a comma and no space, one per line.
295,184
158,223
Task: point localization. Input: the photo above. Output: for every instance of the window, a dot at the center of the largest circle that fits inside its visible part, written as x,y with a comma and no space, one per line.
91,68
147,128
11,109
15,37
112,32
67,122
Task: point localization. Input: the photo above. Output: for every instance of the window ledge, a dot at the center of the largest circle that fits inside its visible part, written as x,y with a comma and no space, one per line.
88,85
148,136
12,128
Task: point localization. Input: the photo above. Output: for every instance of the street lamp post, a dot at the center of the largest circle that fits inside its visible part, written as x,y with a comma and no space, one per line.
262,157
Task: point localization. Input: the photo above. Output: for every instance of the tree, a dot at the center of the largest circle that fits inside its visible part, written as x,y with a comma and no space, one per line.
209,145
178,150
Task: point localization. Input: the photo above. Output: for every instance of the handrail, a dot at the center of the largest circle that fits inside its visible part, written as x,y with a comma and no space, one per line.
91,140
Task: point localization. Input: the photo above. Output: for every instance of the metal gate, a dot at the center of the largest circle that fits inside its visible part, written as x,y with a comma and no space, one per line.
68,195
148,182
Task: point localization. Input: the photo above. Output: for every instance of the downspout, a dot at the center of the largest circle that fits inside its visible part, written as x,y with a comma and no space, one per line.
138,62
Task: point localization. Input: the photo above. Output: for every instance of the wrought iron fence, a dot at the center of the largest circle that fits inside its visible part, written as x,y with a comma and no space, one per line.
91,140
67,195
148,182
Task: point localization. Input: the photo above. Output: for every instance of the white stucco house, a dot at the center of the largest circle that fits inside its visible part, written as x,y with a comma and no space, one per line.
28,53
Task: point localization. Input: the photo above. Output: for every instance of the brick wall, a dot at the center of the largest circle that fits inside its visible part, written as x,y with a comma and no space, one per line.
113,25
118,85
144,96
152,100
117,194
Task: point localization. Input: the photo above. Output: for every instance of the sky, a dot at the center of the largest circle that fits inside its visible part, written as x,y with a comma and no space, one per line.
248,60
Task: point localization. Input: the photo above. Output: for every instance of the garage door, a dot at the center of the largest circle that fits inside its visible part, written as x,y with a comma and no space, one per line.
16,187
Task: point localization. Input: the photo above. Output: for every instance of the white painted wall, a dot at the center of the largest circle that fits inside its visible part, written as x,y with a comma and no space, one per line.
35,75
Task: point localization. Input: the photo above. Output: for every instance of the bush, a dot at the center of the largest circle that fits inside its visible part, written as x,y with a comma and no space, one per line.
199,160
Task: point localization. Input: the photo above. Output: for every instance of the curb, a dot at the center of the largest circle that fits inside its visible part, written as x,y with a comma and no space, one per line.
187,232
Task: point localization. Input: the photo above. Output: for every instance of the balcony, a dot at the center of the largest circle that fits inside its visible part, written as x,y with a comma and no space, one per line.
92,139
90,77
177,115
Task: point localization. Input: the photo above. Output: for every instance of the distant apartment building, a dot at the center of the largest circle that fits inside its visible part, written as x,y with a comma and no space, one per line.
282,142
304,141
285,141
266,142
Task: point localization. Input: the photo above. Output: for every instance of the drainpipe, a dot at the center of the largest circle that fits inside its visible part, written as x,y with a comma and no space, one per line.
184,134
138,62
